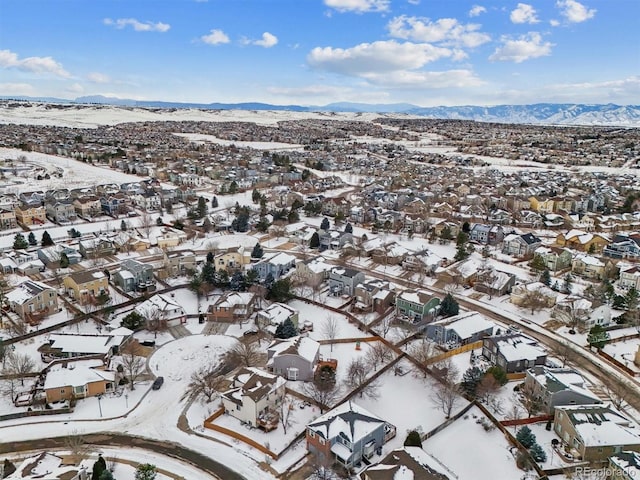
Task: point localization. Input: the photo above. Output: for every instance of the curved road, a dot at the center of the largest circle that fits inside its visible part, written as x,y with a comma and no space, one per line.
214,469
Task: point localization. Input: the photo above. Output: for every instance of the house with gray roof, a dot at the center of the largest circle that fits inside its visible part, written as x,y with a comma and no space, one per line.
513,352
558,386
343,281
134,275
294,358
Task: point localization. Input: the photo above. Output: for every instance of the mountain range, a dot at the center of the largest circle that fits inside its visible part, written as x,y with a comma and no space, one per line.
540,113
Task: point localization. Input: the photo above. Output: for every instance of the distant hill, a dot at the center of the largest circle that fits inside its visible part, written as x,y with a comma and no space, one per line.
540,113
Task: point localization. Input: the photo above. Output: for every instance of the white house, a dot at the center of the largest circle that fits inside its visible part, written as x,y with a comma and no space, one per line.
161,308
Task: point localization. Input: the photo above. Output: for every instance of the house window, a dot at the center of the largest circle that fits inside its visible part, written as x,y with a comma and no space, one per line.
321,441
312,434
62,391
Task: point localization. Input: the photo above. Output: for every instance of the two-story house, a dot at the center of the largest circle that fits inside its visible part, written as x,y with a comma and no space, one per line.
347,434
461,329
96,247
558,387
134,275
33,300
554,258
513,352
522,245
294,358
374,295
274,266
31,214
161,309
254,397
179,262
60,211
343,281
232,307
85,286
417,305
275,314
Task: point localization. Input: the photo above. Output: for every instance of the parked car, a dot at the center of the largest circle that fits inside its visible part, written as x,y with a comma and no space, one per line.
157,383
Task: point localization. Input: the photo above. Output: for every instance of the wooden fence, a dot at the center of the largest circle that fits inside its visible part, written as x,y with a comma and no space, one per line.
456,351
617,363
526,421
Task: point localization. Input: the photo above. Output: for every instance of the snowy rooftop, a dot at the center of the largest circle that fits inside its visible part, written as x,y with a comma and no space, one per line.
90,344
467,324
76,376
305,347
348,419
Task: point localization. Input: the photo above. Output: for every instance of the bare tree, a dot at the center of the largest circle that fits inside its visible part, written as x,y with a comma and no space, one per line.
77,445
206,382
20,365
357,379
133,362
487,389
323,389
17,327
618,393
321,467
422,351
378,353
285,410
146,223
331,329
245,354
534,300
448,393
530,400
9,386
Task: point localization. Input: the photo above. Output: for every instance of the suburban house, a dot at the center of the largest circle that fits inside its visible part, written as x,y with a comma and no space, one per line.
374,295
275,314
558,387
53,254
31,214
629,277
21,262
313,271
417,305
274,266
179,263
554,258
623,246
161,309
7,218
96,247
134,275
60,211
583,241
232,307
294,358
233,259
424,261
33,300
343,281
625,465
66,345
410,463
77,379
513,352
588,266
523,245
486,234
594,432
494,282
87,206
254,397
461,329
170,237
85,286
348,434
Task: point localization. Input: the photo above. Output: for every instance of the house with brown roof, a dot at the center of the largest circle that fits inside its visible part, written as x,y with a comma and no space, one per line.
407,463
33,300
85,286
232,307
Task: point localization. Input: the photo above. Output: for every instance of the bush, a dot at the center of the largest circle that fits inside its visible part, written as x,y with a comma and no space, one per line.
413,439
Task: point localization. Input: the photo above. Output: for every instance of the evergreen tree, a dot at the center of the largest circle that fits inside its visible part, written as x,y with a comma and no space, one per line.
598,336
498,373
413,439
19,242
106,475
268,281
46,239
466,228
286,329
462,252
324,225
632,300
537,262
221,279
263,224
202,207
32,239
449,307
133,321
99,466
241,222
233,187
348,228
256,196
210,257
293,216
446,234
314,242
123,225
545,277
280,291
471,379
8,467
257,251
238,282
64,260
526,437
208,274
568,281
537,453
207,226
214,202
145,471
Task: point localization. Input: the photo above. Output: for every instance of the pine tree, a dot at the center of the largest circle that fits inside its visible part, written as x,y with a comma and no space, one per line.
314,242
98,467
348,228
32,239
106,475
123,225
598,336
286,329
64,260
257,251
214,202
46,239
19,242
545,277
449,307
413,439
526,437
324,225
471,379
208,274
145,471
537,453
238,282
202,207
568,281
537,263
210,257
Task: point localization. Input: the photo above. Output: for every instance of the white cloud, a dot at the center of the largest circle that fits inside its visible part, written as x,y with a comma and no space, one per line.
575,12
523,48
358,6
311,91
425,80
554,23
75,88
268,40
414,2
16,89
476,10
97,77
447,31
376,57
524,13
215,37
39,65
138,26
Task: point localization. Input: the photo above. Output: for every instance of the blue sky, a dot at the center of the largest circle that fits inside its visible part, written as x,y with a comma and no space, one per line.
314,52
